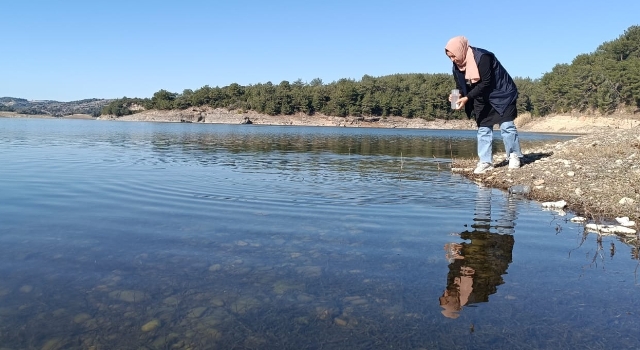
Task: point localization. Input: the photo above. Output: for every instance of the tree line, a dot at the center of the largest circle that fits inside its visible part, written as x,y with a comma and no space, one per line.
605,81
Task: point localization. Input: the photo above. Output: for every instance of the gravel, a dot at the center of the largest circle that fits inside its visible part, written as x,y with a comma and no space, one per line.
597,175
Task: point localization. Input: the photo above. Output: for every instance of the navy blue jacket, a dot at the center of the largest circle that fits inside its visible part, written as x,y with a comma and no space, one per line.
499,89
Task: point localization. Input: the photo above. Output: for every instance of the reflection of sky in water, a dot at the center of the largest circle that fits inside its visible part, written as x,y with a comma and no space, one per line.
139,235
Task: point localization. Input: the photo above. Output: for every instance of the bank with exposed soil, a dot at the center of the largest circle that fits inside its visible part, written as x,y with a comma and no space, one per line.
597,175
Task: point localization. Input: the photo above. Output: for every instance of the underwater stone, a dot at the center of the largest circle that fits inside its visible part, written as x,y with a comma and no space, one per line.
52,344
197,312
129,296
310,271
304,298
244,304
303,320
80,318
217,302
281,287
151,325
340,322
171,301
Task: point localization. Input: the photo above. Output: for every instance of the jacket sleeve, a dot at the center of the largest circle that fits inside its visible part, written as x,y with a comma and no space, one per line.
486,77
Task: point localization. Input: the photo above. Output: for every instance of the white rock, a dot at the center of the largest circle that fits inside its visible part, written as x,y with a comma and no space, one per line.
571,173
578,192
624,221
610,229
626,200
559,204
578,219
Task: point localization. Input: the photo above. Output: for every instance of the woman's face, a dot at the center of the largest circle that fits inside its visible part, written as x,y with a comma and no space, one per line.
453,58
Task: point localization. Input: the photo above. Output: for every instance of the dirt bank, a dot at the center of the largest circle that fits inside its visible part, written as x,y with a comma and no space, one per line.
557,124
222,116
597,175
581,124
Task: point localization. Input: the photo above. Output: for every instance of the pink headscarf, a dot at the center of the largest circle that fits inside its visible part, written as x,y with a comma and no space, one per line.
459,47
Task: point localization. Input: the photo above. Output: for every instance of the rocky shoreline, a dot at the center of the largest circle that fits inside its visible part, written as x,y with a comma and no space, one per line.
596,176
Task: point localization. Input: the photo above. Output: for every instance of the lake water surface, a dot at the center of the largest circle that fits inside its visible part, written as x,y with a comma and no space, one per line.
183,236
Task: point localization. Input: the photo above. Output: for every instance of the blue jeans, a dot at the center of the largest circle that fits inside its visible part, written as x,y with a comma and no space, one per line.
509,137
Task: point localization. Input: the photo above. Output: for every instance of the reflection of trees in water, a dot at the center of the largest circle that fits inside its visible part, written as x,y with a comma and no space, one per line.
360,144
476,267
311,150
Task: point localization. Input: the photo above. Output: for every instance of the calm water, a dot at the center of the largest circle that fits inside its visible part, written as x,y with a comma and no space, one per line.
181,236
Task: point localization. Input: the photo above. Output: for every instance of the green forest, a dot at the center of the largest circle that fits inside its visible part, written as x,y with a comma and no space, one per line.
604,81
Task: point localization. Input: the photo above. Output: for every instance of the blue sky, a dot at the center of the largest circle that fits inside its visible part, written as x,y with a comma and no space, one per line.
71,50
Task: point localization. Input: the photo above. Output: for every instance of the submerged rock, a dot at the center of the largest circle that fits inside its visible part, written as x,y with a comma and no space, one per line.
80,318
151,325
197,312
130,296
53,344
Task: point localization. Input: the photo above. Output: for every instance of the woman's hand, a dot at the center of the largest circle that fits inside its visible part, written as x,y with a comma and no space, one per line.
461,102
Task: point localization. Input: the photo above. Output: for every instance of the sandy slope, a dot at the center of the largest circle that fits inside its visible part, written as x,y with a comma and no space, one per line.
580,124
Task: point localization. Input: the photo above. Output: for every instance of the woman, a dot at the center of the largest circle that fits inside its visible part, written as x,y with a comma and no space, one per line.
489,94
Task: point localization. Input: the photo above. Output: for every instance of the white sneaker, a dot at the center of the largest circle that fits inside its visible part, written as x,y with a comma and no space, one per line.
482,168
514,161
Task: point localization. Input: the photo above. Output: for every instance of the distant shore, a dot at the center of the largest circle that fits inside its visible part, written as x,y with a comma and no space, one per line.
44,116
572,124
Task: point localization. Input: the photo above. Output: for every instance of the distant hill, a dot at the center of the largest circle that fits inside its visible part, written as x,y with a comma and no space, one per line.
91,106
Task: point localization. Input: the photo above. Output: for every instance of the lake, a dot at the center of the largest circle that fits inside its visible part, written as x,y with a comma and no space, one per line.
126,235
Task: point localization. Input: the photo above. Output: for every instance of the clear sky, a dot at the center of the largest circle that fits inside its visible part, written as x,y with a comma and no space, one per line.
69,50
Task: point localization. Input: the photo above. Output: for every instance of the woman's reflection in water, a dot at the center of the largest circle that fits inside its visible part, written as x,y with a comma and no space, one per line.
476,267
